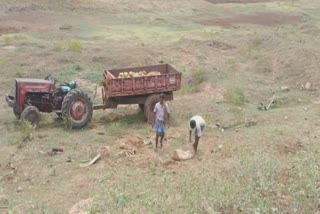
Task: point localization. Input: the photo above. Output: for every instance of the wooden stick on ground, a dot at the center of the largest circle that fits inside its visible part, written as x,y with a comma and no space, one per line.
269,105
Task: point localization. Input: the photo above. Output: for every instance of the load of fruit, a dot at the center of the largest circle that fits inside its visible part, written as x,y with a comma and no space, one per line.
137,74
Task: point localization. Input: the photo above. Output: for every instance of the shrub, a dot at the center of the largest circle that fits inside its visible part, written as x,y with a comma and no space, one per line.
27,130
56,46
74,46
235,96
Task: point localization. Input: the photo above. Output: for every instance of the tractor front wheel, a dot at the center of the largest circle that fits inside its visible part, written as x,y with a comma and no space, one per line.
77,107
31,114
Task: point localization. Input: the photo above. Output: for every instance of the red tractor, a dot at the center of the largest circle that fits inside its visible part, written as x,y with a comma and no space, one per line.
49,95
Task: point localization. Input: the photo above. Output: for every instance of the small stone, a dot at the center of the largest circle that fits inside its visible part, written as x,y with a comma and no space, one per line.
52,172
19,189
286,118
68,159
220,147
122,146
308,86
285,88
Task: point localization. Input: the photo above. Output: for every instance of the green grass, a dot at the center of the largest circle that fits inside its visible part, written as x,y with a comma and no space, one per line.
57,46
14,39
235,96
27,130
74,46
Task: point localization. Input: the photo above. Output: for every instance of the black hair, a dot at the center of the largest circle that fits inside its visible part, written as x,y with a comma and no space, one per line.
192,124
162,95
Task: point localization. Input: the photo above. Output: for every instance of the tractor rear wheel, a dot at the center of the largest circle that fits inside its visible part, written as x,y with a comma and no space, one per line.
31,114
77,107
149,106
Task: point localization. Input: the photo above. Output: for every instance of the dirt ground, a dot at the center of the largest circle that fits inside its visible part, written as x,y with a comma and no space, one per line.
234,57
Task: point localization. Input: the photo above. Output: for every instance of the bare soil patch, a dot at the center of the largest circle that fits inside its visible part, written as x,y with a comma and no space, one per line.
289,147
25,23
264,19
237,1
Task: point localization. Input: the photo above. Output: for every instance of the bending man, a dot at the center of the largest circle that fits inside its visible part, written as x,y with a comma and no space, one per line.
197,125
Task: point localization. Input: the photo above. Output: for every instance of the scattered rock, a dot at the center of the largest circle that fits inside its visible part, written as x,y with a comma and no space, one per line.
57,150
308,86
304,108
286,118
285,88
220,147
122,146
52,171
19,189
82,207
65,27
180,155
4,202
68,159
147,142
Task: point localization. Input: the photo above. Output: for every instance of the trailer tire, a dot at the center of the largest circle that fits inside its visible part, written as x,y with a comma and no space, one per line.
31,114
77,107
149,106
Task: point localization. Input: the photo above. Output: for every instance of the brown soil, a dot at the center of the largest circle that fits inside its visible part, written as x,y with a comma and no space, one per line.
289,147
264,19
237,1
24,23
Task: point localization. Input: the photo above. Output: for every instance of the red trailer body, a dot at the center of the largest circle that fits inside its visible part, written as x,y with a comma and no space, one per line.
168,81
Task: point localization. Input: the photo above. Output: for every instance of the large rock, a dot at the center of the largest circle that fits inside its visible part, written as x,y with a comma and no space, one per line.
82,207
180,155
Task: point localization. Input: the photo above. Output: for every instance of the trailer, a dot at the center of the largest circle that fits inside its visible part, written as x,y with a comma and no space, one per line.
142,90
68,101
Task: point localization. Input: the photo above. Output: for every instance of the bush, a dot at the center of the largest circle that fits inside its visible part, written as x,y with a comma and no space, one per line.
199,77
56,46
235,96
74,46
27,130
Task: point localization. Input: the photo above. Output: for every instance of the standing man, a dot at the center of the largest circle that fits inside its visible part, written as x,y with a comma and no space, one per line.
161,113
197,124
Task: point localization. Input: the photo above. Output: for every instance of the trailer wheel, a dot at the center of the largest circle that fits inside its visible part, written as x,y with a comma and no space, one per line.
31,114
149,106
77,107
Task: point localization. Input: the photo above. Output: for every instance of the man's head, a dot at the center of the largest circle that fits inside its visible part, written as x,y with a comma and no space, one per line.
162,96
192,124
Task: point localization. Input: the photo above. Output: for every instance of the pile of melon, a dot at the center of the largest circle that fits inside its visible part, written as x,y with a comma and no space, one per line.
131,74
